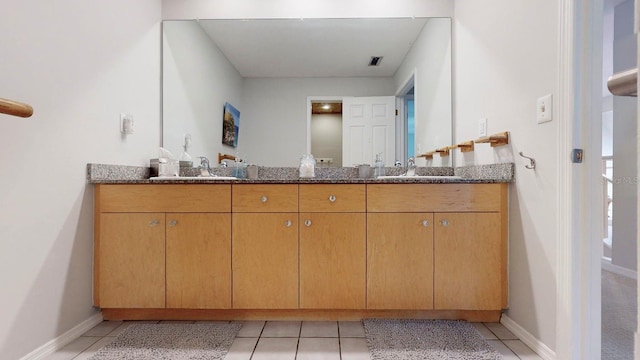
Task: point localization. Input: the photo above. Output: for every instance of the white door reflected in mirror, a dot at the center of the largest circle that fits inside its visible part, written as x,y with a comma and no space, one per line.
368,129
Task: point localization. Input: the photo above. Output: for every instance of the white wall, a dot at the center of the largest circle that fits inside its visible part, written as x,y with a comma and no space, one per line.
79,64
429,60
197,81
505,57
625,156
326,137
607,133
274,114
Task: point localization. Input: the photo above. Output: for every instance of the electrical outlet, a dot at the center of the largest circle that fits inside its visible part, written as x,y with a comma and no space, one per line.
482,127
544,109
126,123
324,160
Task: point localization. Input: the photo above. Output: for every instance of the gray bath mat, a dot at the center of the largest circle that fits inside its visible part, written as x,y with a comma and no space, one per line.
426,339
171,342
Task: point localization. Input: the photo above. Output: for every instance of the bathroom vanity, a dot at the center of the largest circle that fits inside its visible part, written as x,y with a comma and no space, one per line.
301,249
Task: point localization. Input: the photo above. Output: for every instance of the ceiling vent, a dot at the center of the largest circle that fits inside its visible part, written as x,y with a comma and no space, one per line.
375,60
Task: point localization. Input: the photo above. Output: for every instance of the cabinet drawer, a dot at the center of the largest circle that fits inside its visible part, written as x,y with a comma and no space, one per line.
332,198
163,198
436,197
265,198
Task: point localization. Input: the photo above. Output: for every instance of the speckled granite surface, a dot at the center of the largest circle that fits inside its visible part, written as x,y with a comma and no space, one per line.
97,173
117,174
503,171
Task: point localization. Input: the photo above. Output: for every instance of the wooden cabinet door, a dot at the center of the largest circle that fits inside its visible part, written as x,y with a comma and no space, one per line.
468,261
332,260
400,261
131,264
199,261
265,260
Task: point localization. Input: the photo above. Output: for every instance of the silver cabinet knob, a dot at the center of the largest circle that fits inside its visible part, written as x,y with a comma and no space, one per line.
444,222
264,198
425,223
288,223
154,222
332,198
307,223
173,223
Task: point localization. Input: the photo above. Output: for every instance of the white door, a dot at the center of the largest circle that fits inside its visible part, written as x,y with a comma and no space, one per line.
368,128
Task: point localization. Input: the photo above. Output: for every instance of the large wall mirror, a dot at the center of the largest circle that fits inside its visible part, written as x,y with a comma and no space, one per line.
273,70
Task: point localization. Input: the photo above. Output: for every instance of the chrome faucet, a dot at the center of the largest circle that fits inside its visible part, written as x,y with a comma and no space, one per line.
205,168
411,167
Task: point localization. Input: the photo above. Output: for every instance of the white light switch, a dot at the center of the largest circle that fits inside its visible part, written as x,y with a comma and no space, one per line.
544,110
482,127
126,123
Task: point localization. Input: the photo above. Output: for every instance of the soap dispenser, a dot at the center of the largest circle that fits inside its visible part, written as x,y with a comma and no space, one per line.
185,159
379,166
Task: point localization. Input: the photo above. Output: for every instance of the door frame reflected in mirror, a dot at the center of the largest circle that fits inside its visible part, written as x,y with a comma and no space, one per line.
408,86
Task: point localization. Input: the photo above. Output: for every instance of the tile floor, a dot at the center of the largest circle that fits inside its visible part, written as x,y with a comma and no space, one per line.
294,340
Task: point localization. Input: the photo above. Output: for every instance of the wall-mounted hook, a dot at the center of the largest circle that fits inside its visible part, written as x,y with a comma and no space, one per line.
532,161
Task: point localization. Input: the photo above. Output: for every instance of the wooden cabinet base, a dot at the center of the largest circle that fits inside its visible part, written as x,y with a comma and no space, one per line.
331,315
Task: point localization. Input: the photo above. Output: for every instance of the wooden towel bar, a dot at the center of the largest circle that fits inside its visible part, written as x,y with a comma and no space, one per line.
15,108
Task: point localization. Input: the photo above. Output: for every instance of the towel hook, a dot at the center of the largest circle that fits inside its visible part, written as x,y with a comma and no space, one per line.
531,160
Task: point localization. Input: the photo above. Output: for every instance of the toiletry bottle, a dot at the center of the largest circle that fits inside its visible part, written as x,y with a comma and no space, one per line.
379,166
238,169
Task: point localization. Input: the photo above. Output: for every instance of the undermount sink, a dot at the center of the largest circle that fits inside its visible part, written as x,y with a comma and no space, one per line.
433,177
203,178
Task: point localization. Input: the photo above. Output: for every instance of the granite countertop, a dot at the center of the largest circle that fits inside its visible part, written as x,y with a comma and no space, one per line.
493,173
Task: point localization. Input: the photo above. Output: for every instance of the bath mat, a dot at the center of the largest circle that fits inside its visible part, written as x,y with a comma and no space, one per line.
171,341
426,339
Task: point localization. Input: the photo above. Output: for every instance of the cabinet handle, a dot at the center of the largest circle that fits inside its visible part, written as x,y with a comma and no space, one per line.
332,198
264,198
425,223
444,222
287,223
173,223
154,222
307,223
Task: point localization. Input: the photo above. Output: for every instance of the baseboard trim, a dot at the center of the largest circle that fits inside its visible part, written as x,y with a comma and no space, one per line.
297,314
607,265
526,337
62,340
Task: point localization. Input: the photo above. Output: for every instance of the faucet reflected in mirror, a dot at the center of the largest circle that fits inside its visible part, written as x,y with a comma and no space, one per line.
411,167
205,167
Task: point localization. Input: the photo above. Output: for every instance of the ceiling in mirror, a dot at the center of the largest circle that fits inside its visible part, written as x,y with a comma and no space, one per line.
314,47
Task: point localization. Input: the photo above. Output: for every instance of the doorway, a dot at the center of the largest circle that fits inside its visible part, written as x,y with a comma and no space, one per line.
346,130
326,132
619,186
406,121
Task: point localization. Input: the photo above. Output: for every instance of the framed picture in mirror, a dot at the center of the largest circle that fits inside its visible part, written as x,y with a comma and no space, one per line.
230,125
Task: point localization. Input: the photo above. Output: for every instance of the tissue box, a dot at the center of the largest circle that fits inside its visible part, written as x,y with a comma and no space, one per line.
164,167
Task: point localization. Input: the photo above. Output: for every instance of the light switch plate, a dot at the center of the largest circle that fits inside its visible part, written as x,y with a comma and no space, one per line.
482,127
126,123
544,109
